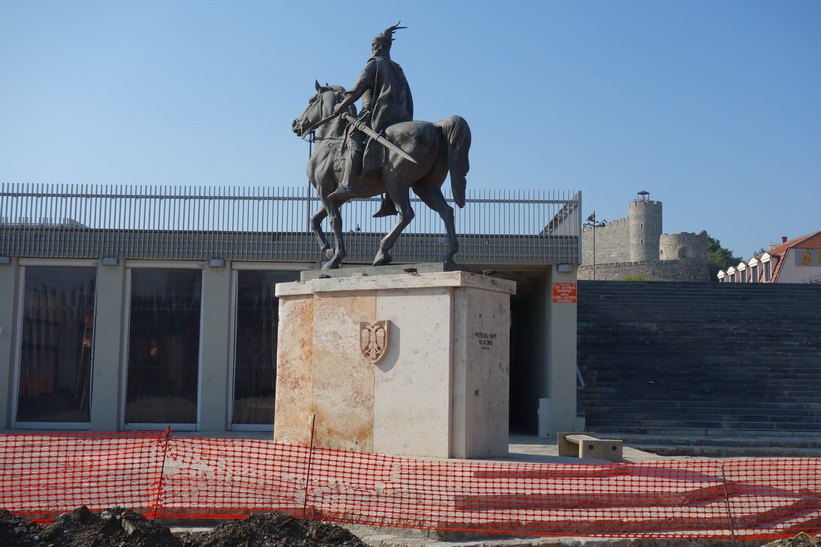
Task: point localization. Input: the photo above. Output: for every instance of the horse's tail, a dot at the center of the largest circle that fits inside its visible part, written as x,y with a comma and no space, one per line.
456,133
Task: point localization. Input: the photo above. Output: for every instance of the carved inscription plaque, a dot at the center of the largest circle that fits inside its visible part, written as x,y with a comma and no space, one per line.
486,339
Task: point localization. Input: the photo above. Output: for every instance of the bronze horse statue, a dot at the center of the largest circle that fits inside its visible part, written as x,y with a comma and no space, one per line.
438,148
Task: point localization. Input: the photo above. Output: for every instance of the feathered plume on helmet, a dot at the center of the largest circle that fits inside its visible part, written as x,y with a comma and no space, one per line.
386,37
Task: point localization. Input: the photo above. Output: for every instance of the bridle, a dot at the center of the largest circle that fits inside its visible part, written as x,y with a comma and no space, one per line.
321,100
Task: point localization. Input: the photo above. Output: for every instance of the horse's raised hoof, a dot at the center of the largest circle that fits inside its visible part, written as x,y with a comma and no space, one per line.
387,209
382,259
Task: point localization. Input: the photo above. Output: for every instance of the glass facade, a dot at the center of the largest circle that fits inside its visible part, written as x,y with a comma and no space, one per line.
255,347
54,383
163,346
162,334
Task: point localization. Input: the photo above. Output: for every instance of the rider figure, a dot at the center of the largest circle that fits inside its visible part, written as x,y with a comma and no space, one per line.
386,100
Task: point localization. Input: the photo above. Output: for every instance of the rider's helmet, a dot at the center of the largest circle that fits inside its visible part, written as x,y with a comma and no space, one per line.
382,42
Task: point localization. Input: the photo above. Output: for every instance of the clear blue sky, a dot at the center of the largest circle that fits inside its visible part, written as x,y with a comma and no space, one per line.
712,106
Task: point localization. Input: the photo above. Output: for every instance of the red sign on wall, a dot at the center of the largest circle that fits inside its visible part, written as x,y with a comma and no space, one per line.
564,293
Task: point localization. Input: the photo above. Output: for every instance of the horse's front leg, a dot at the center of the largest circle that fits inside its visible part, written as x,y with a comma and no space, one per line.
316,227
338,253
401,199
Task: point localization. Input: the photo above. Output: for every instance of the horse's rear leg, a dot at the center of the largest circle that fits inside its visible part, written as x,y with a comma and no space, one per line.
432,196
401,199
316,227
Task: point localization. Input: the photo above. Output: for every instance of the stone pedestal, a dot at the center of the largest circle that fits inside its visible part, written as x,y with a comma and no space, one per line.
441,387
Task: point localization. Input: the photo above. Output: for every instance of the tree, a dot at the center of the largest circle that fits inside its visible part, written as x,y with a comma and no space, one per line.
720,258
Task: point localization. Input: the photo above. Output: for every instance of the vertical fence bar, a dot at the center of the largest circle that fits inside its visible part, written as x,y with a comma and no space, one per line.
254,211
219,231
29,200
54,221
46,208
86,238
126,238
113,220
189,208
138,223
155,205
19,221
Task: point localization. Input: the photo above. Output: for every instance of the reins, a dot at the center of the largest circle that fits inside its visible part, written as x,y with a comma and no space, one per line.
329,141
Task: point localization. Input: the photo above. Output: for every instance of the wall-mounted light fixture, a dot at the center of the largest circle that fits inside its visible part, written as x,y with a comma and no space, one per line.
109,261
216,263
5,260
565,268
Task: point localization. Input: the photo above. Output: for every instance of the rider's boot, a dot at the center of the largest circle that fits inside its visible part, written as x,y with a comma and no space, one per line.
346,188
387,209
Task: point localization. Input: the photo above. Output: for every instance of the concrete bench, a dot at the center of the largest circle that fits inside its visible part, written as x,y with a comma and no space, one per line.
579,445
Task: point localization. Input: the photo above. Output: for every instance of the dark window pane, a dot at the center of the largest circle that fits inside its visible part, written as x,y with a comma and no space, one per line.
163,346
256,345
57,343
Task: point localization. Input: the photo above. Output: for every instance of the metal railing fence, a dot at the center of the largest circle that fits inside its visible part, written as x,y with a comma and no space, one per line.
272,223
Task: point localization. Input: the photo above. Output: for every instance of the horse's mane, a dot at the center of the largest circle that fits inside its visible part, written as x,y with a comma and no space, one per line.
340,92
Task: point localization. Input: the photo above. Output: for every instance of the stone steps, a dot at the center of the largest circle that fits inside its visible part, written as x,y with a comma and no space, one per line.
700,356
641,425
721,443
799,438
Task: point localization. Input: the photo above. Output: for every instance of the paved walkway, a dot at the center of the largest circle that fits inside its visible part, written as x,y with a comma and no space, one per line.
532,449
529,448
526,449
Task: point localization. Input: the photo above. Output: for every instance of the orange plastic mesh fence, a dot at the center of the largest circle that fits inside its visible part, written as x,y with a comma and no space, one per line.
166,476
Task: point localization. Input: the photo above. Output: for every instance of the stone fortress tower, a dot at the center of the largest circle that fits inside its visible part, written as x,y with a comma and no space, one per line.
636,247
645,228
683,246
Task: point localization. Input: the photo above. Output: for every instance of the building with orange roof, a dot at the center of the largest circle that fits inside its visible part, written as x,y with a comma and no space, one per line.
792,261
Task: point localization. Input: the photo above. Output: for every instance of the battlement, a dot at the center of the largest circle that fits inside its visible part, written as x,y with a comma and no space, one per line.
609,224
638,202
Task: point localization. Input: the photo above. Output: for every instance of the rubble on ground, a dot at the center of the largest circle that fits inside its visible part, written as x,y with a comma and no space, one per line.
124,527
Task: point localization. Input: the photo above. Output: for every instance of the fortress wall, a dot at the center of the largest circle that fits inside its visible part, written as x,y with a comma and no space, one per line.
652,270
612,241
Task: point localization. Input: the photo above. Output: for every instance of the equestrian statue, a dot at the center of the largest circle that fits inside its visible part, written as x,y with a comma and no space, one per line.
381,150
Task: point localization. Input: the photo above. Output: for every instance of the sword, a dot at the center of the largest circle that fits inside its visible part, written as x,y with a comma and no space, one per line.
359,125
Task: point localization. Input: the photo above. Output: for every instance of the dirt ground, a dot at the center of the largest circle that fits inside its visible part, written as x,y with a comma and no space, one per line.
801,540
123,527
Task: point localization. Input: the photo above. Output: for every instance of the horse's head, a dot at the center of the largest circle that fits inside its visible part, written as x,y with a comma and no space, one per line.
320,106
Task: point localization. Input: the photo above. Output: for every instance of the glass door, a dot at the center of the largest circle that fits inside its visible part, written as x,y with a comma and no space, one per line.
255,347
163,347
57,342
